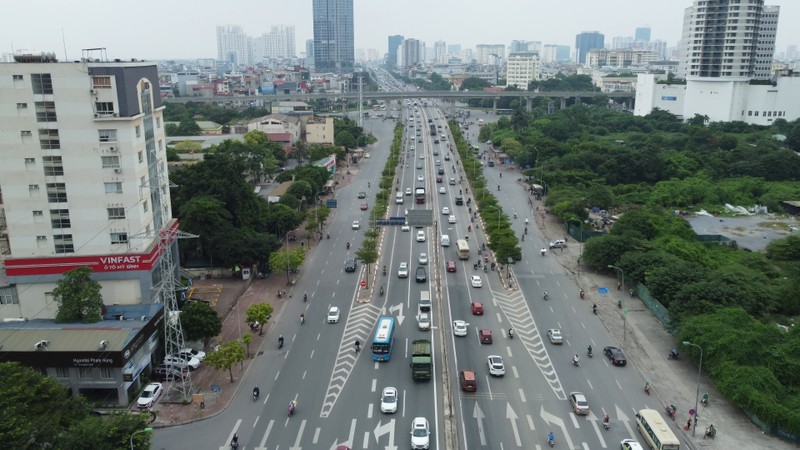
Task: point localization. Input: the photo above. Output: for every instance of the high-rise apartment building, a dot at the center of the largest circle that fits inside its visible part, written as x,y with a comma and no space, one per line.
440,52
278,43
412,52
588,40
521,69
726,39
83,180
334,46
454,49
488,53
395,41
232,45
642,34
310,53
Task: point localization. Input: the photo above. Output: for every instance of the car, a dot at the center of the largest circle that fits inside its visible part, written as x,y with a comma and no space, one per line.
362,194
630,444
438,161
447,157
579,403
452,181
451,219
419,165
333,314
412,148
149,395
189,352
459,328
436,152
364,206
420,236
423,258
182,362
558,243
422,274
451,266
496,366
405,227
389,400
439,180
476,281
435,141
168,372
554,335
476,308
440,171
459,201
356,224
615,355
350,265
422,155
421,178
468,380
420,434
445,211
408,191
419,141
366,155
442,190
402,271
485,336
424,321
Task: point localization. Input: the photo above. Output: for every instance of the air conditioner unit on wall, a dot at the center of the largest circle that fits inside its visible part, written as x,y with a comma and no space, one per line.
92,91
118,170
112,149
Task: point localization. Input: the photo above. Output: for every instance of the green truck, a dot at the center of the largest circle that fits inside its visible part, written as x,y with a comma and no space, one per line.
421,360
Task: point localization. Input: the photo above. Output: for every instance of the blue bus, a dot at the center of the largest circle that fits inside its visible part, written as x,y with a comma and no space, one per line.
384,339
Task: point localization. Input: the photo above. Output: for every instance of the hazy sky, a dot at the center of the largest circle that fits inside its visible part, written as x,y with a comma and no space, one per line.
150,29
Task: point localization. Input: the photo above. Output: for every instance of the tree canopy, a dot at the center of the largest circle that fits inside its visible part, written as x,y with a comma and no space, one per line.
78,297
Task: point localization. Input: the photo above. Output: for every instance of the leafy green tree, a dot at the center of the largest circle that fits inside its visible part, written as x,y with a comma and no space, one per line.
368,253
787,249
261,313
345,139
286,259
474,84
247,339
78,297
228,354
111,431
189,127
188,146
200,321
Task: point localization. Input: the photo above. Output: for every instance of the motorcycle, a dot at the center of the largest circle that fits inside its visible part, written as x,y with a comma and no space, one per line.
583,294
704,400
673,354
328,235
606,422
711,432
235,442
551,441
381,291
594,309
544,251
302,319
589,353
647,387
348,246
485,270
576,362
511,333
672,410
546,297
280,342
255,394
292,407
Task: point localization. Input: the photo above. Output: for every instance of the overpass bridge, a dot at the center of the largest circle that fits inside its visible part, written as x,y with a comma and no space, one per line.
262,100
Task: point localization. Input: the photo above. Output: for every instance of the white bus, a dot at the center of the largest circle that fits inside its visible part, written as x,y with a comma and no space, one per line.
655,431
463,249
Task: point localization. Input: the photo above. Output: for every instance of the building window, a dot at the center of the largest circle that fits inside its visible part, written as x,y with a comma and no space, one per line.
107,135
138,131
110,162
59,218
25,133
116,213
62,372
140,155
158,122
22,106
119,238
63,243
145,206
56,192
85,372
160,145
53,166
103,82
113,188
38,216
104,108
45,111
106,373
8,296
42,83
49,140
16,77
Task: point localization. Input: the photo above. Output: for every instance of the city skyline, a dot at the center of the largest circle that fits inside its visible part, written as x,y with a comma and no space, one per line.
470,24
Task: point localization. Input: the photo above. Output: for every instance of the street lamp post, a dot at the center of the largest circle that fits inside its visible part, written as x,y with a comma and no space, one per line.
697,394
622,304
146,430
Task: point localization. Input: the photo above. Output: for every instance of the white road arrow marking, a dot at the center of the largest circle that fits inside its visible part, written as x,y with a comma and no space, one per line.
266,436
380,430
477,414
593,419
556,421
296,445
621,417
400,316
512,417
230,436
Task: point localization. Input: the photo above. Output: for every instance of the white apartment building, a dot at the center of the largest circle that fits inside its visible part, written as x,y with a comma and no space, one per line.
233,45
83,180
521,69
489,53
619,58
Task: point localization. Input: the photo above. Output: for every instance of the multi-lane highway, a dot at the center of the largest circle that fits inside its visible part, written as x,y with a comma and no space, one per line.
338,389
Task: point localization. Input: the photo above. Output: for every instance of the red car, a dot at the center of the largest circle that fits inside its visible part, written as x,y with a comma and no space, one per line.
364,206
438,179
477,308
451,266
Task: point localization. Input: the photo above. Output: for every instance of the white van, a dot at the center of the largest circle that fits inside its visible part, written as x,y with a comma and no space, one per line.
445,240
399,198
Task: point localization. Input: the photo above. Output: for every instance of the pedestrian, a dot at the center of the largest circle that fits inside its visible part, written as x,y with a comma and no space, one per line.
619,285
688,424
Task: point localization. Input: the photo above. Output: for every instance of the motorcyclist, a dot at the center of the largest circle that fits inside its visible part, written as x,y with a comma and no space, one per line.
469,228
526,221
381,290
292,406
498,187
280,340
551,436
511,333
348,245
302,318
594,309
546,296
711,431
606,421
582,293
589,350
235,441
384,270
256,392
358,345
674,353
305,296
576,359
368,185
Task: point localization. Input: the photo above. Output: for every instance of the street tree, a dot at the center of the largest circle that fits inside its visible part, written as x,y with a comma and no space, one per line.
78,297
200,321
110,431
261,313
246,340
228,354
287,259
345,139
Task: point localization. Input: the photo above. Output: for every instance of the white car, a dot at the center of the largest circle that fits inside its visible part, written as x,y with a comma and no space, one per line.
442,190
402,271
405,227
366,155
459,328
496,366
438,162
408,191
630,444
579,403
420,434
182,361
420,236
192,353
333,314
554,335
412,148
445,211
423,258
424,321
389,400
420,178
476,281
149,395
422,156
451,219
356,224
558,243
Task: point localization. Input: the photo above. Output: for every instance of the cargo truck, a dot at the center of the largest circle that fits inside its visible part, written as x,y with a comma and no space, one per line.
421,360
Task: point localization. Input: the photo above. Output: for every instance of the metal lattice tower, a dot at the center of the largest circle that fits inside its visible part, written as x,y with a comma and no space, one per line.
166,231
360,100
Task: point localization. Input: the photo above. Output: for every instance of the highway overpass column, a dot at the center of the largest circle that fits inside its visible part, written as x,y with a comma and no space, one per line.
528,104
494,104
563,102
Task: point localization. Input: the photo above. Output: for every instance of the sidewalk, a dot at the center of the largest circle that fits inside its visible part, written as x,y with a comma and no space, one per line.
646,344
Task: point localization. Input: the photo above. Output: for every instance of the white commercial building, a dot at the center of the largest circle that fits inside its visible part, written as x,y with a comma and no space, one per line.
521,69
83,180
